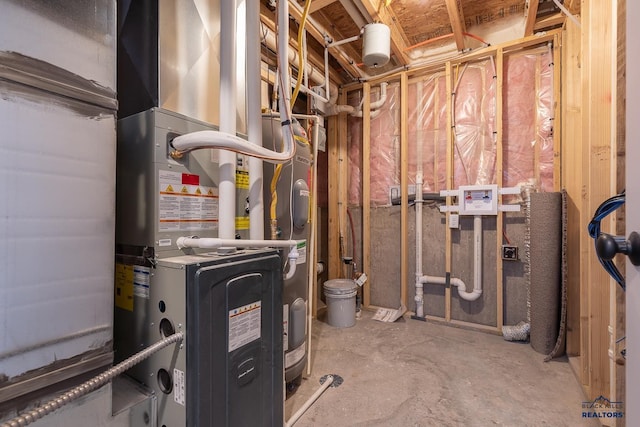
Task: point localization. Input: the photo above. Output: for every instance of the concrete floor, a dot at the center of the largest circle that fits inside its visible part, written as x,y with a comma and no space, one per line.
411,373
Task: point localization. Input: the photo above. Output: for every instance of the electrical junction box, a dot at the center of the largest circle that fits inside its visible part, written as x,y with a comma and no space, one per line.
478,199
509,252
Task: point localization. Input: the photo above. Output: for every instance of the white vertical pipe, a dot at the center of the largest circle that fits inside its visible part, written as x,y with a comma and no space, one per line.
284,100
419,292
254,120
477,254
227,187
418,198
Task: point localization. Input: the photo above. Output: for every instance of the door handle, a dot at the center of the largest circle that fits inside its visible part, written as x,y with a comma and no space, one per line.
607,246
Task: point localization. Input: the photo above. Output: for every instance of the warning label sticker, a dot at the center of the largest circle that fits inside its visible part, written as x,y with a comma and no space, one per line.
244,325
302,252
124,286
178,387
184,204
242,180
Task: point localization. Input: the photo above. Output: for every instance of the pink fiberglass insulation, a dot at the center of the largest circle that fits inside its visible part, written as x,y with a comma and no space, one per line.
527,123
354,148
427,135
545,122
384,148
528,120
474,124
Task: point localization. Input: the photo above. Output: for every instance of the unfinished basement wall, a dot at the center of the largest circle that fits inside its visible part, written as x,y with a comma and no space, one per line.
472,130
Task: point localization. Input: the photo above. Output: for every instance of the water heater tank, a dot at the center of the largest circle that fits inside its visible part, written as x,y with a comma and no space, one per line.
375,46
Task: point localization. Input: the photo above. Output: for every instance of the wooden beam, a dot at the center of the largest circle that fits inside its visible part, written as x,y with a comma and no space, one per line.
557,115
599,62
316,5
531,11
333,188
381,13
572,178
536,39
499,181
343,175
366,190
554,20
404,187
456,17
449,175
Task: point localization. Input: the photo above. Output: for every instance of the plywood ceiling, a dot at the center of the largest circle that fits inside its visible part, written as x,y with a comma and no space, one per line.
444,25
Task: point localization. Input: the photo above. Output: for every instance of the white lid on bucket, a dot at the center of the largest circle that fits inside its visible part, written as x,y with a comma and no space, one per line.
339,286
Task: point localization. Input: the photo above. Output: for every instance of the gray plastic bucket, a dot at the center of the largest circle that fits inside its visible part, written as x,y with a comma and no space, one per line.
341,302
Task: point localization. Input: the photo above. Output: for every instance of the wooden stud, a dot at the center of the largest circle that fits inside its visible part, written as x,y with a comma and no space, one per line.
531,12
572,179
366,190
450,142
343,180
436,131
456,18
557,116
536,123
334,263
599,134
499,181
404,187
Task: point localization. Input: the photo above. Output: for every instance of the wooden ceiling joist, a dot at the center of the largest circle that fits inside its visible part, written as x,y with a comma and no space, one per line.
531,12
316,5
550,21
381,13
456,17
349,64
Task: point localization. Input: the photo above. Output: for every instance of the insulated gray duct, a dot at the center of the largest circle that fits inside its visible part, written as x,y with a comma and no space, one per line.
544,261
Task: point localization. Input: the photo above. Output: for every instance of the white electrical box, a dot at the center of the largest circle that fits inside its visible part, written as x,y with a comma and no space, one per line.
478,199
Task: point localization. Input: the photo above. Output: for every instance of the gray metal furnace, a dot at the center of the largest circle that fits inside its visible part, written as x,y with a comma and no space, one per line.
228,371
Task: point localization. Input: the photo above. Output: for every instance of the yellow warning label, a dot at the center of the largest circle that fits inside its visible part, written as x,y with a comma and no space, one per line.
124,287
169,188
242,180
198,191
242,223
210,192
184,189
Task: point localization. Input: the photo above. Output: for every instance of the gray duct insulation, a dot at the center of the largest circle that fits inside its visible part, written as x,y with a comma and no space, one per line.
544,261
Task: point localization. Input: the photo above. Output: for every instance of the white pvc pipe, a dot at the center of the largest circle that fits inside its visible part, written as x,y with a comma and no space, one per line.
419,291
477,261
374,107
214,243
254,120
227,185
295,417
214,139
314,74
477,268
